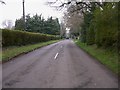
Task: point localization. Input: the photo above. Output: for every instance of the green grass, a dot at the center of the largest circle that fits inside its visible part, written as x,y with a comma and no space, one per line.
10,52
107,57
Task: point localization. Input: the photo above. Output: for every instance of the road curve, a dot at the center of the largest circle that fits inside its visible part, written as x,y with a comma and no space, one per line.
59,65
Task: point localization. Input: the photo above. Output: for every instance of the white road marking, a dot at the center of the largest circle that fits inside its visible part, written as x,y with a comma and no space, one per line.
61,46
56,55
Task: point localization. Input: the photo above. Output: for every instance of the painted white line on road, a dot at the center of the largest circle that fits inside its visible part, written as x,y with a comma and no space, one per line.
56,55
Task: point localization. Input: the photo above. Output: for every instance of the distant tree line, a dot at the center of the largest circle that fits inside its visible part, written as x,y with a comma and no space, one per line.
38,24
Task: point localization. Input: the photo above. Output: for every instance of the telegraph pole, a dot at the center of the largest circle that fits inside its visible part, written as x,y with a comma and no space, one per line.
24,15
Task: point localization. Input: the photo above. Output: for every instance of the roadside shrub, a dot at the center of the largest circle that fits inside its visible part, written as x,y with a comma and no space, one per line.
106,25
19,38
90,35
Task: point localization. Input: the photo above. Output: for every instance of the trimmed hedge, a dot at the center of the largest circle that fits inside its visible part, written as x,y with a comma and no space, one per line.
19,38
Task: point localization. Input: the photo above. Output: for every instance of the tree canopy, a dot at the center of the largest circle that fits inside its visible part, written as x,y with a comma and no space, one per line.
38,24
99,21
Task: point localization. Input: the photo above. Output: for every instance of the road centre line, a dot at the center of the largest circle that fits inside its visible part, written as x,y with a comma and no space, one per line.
56,55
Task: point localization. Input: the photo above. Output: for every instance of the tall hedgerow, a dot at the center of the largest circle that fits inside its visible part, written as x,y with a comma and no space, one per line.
18,38
90,38
106,25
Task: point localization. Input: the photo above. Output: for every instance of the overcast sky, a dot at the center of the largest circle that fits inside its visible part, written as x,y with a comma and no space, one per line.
13,9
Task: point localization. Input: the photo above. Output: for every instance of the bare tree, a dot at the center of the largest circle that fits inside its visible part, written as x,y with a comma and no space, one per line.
73,21
62,30
7,24
81,5
2,2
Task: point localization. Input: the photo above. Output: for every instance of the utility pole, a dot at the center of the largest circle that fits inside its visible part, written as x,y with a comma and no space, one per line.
24,15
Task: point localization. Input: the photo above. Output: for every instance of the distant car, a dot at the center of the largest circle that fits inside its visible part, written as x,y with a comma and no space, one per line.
67,37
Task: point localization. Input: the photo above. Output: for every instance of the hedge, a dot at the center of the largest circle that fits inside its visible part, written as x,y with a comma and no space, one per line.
19,38
106,26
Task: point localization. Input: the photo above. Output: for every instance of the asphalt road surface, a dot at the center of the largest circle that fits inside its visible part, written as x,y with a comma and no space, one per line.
59,65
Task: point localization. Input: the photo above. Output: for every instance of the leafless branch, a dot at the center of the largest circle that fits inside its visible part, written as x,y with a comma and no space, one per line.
2,2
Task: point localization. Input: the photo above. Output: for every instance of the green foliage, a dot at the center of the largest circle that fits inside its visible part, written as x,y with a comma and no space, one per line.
18,38
106,25
38,24
83,33
90,35
100,26
52,26
105,56
12,51
119,30
85,26
19,24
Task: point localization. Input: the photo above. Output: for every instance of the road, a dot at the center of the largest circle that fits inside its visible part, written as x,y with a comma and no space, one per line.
59,65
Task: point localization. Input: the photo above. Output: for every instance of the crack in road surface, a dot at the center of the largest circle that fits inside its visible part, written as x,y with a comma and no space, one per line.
72,69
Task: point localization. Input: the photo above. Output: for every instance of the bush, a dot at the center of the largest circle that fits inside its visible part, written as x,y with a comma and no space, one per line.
90,38
19,38
106,25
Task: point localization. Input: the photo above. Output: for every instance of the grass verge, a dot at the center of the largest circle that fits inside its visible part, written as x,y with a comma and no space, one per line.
107,57
13,51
